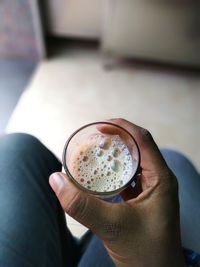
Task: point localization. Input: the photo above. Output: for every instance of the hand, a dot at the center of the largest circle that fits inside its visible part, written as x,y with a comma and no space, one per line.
144,230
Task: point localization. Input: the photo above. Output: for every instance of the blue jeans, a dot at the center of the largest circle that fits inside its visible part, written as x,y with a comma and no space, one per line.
33,230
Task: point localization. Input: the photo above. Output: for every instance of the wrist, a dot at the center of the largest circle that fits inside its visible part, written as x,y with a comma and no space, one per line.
154,259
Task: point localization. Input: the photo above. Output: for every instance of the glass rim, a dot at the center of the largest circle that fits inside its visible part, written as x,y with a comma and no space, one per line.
110,193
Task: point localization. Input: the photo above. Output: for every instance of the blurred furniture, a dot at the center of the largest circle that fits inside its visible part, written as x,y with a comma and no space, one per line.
153,29
160,30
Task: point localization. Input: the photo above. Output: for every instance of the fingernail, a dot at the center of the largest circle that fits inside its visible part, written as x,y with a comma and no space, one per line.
56,181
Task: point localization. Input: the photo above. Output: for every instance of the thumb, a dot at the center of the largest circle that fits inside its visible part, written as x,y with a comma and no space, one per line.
95,214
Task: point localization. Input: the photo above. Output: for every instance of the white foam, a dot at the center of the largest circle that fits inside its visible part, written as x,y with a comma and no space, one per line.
103,164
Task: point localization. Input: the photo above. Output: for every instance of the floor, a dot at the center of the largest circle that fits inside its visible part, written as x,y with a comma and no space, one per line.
73,88
14,77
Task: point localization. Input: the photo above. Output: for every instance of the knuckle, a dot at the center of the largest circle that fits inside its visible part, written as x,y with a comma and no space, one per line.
115,226
112,230
76,207
61,194
145,135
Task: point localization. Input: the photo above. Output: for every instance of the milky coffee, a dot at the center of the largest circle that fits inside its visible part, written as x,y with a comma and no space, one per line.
103,163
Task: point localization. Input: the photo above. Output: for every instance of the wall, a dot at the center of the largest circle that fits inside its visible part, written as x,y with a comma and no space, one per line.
166,31
76,18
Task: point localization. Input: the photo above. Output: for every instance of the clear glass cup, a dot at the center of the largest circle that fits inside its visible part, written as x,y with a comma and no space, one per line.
102,159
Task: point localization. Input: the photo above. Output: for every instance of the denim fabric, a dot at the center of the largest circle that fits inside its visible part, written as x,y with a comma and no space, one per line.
33,231
189,197
32,224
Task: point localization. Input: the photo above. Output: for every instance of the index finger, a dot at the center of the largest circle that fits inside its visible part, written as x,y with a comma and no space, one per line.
151,158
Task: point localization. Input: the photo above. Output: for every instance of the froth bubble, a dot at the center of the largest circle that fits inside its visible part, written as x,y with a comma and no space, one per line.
115,165
85,158
99,153
108,165
102,142
109,158
123,147
116,152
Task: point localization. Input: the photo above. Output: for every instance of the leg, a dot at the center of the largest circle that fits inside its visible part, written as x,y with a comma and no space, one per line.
189,188
96,255
32,226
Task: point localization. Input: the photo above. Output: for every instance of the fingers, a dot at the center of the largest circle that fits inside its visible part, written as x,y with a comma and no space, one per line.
151,157
131,192
90,211
154,167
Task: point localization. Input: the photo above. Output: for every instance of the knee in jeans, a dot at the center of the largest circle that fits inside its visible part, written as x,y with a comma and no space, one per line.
18,140
175,157
173,154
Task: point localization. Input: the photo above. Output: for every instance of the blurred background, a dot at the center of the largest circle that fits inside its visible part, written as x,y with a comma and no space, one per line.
69,62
